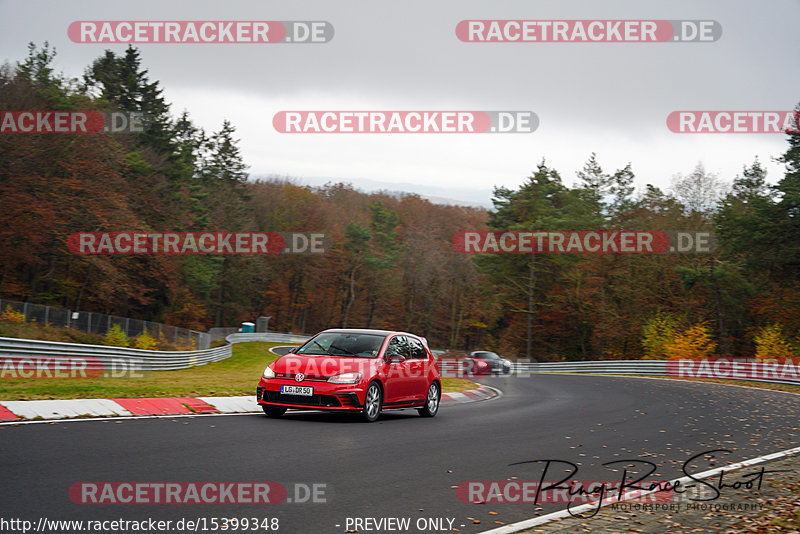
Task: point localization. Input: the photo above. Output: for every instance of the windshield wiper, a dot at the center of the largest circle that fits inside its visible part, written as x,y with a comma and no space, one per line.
320,346
343,350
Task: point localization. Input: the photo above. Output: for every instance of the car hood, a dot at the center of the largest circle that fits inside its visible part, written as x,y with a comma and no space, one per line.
322,366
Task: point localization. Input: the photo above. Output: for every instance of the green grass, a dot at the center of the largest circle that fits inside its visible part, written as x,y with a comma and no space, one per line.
452,385
237,375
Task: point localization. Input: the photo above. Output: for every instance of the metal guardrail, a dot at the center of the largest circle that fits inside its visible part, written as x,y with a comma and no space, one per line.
271,337
621,367
106,357
27,353
616,367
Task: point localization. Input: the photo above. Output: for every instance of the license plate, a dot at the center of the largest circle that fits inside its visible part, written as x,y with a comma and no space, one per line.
298,390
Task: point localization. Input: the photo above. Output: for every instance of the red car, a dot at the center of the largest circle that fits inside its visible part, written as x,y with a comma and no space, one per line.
353,371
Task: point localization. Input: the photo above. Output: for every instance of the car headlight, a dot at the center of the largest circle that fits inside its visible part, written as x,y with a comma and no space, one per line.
268,373
345,378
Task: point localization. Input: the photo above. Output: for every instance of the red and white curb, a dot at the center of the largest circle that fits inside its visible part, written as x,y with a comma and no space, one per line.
12,411
482,393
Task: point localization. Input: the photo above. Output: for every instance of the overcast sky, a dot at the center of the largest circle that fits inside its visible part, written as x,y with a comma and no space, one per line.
608,98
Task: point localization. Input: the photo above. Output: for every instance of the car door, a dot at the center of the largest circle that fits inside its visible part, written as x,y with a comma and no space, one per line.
418,369
398,383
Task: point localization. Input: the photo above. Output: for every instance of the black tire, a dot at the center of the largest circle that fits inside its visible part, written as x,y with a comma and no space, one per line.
273,411
432,401
373,402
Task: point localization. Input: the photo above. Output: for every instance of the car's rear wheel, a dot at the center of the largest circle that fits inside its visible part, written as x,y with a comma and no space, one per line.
431,401
273,411
373,401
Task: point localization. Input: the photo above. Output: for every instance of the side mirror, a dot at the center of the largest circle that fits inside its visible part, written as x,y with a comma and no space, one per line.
394,357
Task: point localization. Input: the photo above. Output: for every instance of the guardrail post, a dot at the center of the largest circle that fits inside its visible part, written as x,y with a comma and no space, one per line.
525,373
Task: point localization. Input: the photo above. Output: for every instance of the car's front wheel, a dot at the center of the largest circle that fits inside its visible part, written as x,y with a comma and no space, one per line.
432,401
373,401
273,411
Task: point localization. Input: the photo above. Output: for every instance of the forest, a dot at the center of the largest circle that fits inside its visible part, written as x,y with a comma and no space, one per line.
391,263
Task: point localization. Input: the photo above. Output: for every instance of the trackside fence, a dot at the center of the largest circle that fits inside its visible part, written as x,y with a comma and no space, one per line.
100,323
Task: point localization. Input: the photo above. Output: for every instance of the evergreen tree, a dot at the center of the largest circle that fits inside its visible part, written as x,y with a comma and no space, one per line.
225,163
122,82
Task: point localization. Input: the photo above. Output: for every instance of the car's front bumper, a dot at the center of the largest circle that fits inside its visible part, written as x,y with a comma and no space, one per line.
344,397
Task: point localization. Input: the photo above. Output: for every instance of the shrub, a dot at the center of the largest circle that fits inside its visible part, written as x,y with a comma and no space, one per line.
693,343
771,343
163,344
72,335
145,341
12,315
116,337
657,333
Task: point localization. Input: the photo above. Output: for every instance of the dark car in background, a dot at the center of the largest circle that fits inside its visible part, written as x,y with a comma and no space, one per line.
497,365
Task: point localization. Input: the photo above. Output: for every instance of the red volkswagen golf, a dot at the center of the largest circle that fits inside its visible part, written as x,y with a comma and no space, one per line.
354,371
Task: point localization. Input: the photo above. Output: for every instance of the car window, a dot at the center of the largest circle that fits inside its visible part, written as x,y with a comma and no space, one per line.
343,344
417,350
399,345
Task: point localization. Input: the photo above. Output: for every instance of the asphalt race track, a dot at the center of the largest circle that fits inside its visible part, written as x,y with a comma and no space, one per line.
404,466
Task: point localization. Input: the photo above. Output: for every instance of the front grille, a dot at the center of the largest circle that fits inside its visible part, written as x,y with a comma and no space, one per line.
327,401
311,378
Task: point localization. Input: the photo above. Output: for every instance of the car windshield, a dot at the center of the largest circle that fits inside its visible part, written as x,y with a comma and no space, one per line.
343,344
487,355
